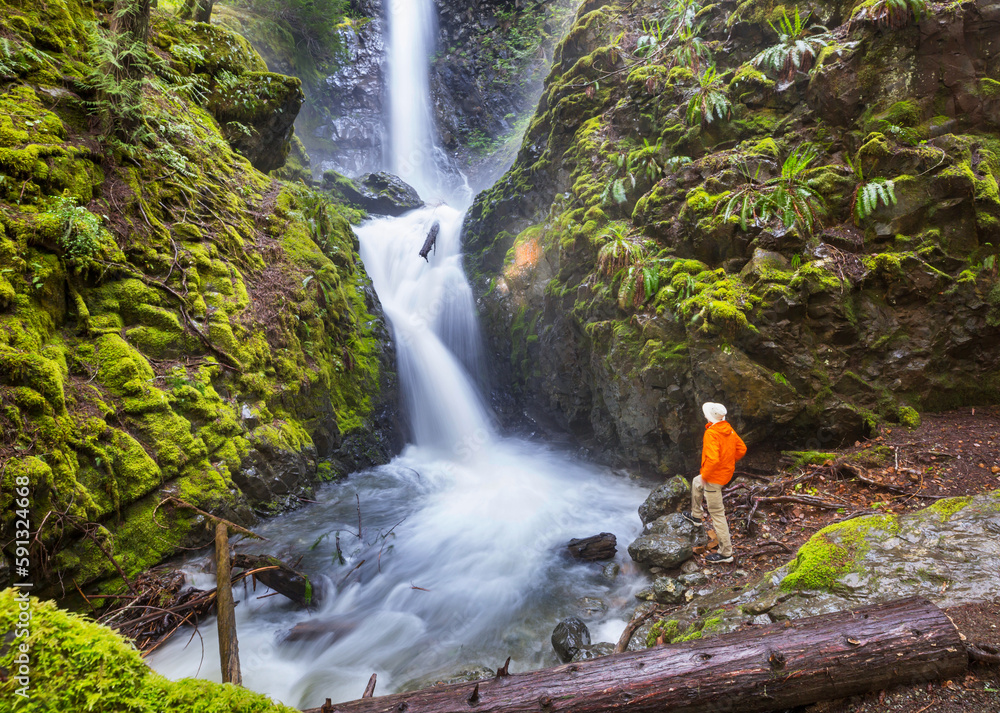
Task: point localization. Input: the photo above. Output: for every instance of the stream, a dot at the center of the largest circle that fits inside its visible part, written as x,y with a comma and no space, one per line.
452,556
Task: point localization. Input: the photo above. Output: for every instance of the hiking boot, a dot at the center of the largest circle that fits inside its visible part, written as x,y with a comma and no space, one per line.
691,518
716,558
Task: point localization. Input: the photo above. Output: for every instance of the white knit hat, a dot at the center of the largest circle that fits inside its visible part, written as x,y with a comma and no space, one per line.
714,412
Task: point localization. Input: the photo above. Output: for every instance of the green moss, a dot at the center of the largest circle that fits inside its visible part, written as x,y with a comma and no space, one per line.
834,551
909,417
804,458
989,88
947,507
81,666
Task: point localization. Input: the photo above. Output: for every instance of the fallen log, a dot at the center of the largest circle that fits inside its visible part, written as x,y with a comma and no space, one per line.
432,236
595,548
277,575
777,667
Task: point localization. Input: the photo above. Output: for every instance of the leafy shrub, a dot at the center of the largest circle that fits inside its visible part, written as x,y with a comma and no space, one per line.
82,236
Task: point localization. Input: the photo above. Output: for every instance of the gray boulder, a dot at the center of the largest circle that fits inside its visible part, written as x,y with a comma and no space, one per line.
669,541
672,496
569,637
381,194
667,590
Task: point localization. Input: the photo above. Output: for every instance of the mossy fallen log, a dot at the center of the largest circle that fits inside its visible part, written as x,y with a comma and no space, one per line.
777,667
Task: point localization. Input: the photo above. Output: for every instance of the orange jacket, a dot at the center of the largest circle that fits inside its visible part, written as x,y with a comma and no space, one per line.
720,450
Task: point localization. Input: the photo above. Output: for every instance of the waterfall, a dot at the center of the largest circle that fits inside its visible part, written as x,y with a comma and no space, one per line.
452,556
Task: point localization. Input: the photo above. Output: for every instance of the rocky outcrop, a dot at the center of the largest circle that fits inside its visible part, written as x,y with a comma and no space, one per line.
810,334
948,553
343,125
379,193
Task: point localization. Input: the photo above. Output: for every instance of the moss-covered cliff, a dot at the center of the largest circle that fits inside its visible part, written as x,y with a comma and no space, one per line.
702,209
173,322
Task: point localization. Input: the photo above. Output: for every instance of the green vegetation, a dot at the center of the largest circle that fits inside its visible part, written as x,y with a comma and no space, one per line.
315,25
834,551
709,100
81,666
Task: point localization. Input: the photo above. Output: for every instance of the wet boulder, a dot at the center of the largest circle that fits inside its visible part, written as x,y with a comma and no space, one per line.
669,498
668,542
381,194
667,590
569,637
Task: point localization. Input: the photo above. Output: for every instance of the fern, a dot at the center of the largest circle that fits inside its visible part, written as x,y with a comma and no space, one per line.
891,14
797,48
868,196
640,281
709,100
787,197
619,251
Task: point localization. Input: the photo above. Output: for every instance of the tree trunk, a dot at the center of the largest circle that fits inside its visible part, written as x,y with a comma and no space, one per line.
777,667
197,10
130,25
229,649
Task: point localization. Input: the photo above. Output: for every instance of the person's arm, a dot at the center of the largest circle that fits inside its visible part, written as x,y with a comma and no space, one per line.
741,447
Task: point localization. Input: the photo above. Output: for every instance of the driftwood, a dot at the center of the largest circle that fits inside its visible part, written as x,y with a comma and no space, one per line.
432,237
592,549
229,649
277,575
777,667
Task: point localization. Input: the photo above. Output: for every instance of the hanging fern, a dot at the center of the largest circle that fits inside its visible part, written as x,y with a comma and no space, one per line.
619,252
891,14
798,45
640,281
868,196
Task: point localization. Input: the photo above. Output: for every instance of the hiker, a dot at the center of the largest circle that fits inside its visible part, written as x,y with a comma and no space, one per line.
720,450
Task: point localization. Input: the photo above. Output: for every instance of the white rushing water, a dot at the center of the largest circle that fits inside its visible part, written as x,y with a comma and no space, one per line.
452,556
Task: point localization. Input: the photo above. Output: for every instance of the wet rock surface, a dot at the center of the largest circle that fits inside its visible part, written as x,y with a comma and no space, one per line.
667,542
595,548
570,637
671,497
381,194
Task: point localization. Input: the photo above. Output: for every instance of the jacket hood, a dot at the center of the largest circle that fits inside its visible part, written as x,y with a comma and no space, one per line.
722,427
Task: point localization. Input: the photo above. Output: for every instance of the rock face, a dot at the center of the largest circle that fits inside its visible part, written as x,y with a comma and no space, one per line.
343,124
949,553
174,351
668,542
809,334
673,496
381,194
569,638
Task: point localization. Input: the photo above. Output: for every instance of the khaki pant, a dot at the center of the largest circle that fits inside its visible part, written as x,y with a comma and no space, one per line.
712,493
